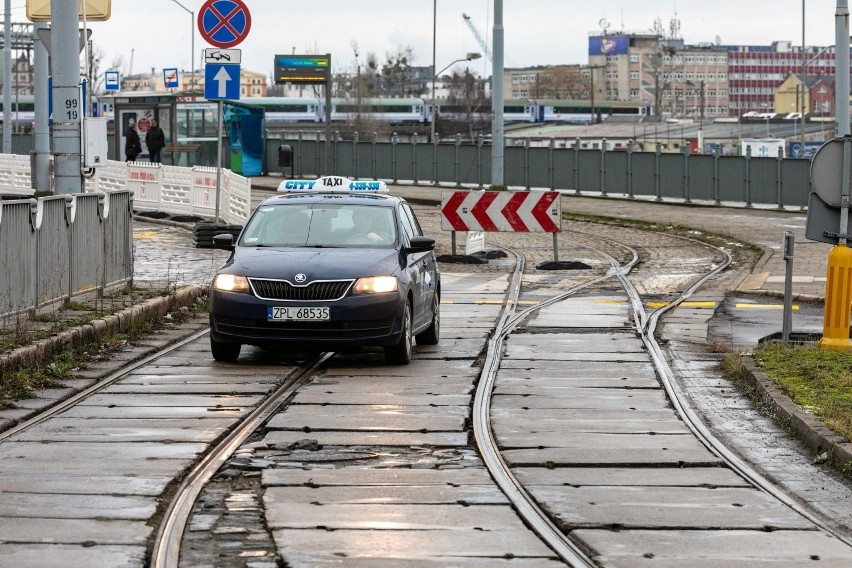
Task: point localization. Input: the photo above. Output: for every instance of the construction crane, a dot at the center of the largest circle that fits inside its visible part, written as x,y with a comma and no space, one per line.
479,39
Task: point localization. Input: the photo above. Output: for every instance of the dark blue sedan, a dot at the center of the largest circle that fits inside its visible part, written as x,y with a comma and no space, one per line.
328,265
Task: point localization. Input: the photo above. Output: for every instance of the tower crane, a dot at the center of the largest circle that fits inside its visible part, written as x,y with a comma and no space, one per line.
479,39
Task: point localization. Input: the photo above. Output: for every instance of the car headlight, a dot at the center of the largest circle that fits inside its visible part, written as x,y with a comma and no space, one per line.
231,283
376,285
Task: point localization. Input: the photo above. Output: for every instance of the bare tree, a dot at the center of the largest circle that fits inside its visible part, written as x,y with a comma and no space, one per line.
397,76
469,103
561,82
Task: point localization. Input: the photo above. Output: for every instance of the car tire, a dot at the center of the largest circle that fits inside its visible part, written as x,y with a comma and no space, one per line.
432,334
400,354
224,352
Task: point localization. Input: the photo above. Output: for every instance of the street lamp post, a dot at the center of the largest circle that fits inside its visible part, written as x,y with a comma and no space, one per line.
469,57
192,41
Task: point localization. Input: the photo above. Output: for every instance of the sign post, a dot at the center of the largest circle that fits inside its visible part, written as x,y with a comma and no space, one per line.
223,24
828,215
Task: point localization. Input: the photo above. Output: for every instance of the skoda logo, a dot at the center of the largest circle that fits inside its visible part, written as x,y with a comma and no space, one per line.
300,278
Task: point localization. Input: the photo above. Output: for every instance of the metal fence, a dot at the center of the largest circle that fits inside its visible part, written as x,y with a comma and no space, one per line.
714,179
56,248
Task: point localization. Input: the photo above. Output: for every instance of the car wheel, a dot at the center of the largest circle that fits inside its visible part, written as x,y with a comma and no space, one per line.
400,354
224,352
431,334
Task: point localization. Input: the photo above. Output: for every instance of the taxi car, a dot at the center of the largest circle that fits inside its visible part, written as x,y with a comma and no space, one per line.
329,264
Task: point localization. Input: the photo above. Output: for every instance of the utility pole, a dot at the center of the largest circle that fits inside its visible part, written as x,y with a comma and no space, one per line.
497,98
67,107
7,80
41,131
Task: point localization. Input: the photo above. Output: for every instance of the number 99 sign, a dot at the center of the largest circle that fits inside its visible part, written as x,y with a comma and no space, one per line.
71,109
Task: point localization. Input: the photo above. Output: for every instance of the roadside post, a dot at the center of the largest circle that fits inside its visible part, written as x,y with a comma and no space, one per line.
224,24
828,218
787,324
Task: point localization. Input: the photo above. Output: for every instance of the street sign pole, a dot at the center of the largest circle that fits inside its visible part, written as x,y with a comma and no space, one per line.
838,282
219,163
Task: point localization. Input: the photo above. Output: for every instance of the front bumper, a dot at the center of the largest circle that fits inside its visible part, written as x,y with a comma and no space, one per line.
356,321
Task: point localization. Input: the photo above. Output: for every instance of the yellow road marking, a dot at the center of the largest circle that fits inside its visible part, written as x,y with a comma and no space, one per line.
764,306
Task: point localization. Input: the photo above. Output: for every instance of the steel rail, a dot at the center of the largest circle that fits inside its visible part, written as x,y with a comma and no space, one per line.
681,405
100,385
166,550
523,502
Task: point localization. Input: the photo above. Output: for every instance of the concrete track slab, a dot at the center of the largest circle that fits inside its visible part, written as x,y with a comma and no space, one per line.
318,561
362,385
645,477
430,517
71,531
90,431
373,418
364,476
13,451
257,378
92,484
716,548
676,507
512,434
418,371
638,399
403,544
158,413
220,389
565,418
373,439
171,400
576,321
76,506
72,556
553,386
401,399
590,369
389,495
81,466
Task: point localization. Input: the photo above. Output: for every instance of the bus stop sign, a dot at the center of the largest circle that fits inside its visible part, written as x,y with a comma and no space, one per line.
224,23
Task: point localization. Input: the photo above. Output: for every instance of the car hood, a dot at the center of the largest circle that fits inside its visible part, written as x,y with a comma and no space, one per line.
316,264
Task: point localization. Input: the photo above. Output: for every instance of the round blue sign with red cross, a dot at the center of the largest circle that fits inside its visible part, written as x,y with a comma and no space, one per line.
224,23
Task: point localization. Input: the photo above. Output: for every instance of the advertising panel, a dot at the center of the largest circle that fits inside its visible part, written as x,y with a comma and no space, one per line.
603,45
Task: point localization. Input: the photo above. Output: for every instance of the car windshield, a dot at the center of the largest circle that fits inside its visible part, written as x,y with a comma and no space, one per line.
321,225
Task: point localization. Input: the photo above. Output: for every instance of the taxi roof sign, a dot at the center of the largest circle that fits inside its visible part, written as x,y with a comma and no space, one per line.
332,184
96,10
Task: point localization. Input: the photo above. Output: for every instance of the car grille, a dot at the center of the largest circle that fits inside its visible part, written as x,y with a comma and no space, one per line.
315,291
296,330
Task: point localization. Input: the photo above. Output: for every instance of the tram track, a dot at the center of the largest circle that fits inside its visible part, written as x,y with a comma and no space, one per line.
572,550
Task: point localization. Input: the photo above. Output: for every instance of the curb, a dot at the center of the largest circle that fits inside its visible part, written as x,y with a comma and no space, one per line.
816,436
45,349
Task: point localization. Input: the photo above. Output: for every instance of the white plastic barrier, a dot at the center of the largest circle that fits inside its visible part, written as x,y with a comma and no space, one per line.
15,176
168,189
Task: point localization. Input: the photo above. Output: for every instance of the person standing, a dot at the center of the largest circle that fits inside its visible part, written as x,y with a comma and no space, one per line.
155,140
132,143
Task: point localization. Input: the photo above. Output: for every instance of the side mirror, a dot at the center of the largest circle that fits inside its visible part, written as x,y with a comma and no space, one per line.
224,241
421,244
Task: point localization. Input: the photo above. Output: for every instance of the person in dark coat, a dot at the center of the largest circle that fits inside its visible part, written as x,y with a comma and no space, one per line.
155,139
132,144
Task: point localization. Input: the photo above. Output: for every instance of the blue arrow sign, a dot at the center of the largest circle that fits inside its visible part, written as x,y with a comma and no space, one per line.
221,82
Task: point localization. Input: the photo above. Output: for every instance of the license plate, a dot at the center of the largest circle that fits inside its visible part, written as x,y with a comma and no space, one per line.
277,313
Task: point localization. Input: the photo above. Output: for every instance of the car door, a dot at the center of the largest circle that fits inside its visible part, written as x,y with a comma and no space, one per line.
421,268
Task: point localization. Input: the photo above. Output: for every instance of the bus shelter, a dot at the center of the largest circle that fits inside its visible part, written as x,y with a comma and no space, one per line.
190,125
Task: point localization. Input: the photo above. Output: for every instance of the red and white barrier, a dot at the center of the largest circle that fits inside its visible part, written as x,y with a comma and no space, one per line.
501,211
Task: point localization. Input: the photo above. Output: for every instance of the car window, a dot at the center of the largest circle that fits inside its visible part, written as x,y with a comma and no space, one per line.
407,226
321,225
415,224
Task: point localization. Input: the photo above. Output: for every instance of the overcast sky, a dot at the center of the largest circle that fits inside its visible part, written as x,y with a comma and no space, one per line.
156,33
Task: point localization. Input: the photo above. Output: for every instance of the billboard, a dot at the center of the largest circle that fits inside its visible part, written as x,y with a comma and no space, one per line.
615,45
302,68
